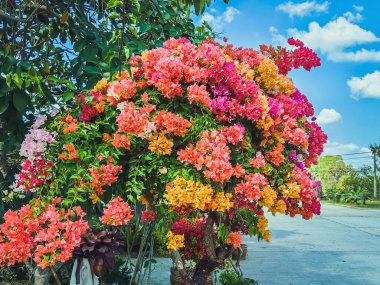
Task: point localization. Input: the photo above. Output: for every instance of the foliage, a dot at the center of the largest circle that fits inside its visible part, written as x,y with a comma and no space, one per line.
341,182
329,170
100,248
355,186
375,149
47,234
191,133
50,49
231,277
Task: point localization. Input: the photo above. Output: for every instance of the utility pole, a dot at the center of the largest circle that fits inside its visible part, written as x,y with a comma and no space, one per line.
374,176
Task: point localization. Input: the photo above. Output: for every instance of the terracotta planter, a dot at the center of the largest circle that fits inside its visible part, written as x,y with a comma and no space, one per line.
176,279
243,256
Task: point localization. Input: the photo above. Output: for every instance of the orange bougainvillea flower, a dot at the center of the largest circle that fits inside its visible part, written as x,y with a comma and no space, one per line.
175,242
160,144
70,125
121,141
101,86
106,137
94,198
234,239
171,122
70,154
106,175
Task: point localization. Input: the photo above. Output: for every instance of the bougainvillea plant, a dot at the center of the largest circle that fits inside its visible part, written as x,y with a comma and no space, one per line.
207,138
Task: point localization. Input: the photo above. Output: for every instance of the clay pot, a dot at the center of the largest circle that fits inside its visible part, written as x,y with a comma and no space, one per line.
176,279
243,256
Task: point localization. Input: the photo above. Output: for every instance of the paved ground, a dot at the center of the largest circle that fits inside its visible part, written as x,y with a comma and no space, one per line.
341,247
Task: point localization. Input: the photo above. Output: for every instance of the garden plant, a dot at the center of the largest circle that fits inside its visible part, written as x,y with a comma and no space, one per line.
191,145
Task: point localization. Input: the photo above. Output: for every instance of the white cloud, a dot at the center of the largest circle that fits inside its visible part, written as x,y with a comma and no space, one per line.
358,8
362,55
303,9
335,37
336,148
354,18
367,86
230,14
218,22
328,116
277,38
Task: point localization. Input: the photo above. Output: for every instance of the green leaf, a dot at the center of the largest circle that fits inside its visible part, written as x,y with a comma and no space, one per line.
114,3
144,27
199,6
8,79
4,103
114,15
81,199
131,198
68,95
25,65
90,53
136,3
92,69
79,45
17,80
20,101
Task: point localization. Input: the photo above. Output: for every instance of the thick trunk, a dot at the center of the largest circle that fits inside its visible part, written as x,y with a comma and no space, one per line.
41,276
203,271
215,256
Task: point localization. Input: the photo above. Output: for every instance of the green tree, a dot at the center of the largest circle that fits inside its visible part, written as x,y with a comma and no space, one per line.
329,171
355,185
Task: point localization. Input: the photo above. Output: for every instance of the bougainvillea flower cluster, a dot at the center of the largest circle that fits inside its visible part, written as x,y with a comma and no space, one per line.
234,239
198,134
47,235
35,167
117,213
193,231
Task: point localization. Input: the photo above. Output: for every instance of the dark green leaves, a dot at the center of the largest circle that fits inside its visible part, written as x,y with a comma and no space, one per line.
3,104
90,53
20,101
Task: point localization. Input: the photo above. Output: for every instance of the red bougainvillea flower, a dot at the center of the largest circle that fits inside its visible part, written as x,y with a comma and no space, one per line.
148,215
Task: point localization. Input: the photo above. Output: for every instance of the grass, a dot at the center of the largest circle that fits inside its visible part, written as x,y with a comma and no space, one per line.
370,204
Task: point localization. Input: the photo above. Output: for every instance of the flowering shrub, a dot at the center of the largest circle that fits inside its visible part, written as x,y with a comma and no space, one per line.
196,134
193,232
42,232
35,169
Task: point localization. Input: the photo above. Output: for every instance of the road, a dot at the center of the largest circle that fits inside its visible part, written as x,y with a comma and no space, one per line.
340,247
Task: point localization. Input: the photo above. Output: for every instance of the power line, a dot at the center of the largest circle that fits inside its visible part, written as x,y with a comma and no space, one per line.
354,153
360,157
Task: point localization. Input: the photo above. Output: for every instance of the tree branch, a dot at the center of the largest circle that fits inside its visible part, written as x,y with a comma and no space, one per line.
208,238
4,15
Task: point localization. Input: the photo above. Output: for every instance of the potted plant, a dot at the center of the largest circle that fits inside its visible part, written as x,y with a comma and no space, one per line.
95,256
231,277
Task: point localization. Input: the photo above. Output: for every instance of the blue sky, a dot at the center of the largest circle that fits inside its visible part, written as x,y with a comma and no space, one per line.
345,90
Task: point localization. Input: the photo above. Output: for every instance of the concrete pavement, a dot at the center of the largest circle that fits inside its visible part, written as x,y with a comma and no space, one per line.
340,247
